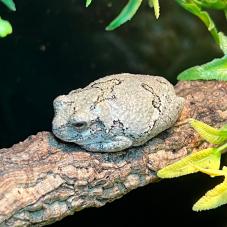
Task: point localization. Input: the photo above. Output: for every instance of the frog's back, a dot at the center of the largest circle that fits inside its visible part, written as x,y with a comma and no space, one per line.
144,105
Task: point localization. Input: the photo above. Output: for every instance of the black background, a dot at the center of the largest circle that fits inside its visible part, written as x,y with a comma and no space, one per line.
58,46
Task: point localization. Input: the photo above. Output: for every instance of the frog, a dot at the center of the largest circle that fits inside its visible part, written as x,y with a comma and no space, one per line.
116,112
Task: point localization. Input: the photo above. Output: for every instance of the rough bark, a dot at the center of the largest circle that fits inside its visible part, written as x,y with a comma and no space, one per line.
43,180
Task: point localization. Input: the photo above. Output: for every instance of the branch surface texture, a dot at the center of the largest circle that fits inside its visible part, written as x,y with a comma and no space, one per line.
43,180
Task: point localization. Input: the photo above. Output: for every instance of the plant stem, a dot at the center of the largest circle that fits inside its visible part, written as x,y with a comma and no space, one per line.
195,9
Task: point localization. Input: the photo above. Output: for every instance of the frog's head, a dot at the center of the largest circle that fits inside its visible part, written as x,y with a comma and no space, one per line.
75,119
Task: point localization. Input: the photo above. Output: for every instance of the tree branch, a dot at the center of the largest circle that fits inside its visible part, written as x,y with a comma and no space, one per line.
43,180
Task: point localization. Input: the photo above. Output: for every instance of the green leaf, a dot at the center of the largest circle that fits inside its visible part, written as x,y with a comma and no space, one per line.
155,4
88,2
5,28
214,70
216,196
207,158
195,9
10,4
212,4
210,134
213,198
223,42
213,172
225,11
125,15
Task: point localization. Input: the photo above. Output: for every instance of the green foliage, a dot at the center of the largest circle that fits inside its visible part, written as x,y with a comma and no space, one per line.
125,15
155,4
207,158
214,70
206,161
194,8
10,4
212,4
223,42
210,134
129,11
5,26
88,2
216,196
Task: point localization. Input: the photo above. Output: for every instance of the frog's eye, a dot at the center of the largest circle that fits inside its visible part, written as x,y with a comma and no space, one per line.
80,125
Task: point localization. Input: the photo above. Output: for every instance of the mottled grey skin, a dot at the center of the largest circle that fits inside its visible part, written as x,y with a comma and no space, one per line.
116,112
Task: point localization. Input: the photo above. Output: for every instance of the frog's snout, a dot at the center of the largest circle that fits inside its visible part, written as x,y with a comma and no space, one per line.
60,102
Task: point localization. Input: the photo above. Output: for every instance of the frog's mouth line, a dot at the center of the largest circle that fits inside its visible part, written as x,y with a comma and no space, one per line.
81,141
84,141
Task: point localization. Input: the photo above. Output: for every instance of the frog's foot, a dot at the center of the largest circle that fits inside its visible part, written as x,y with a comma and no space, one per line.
117,143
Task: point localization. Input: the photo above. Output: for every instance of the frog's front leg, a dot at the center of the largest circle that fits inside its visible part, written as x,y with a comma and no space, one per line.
115,144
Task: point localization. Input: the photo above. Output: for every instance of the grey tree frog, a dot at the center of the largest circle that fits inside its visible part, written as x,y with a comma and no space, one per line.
116,112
